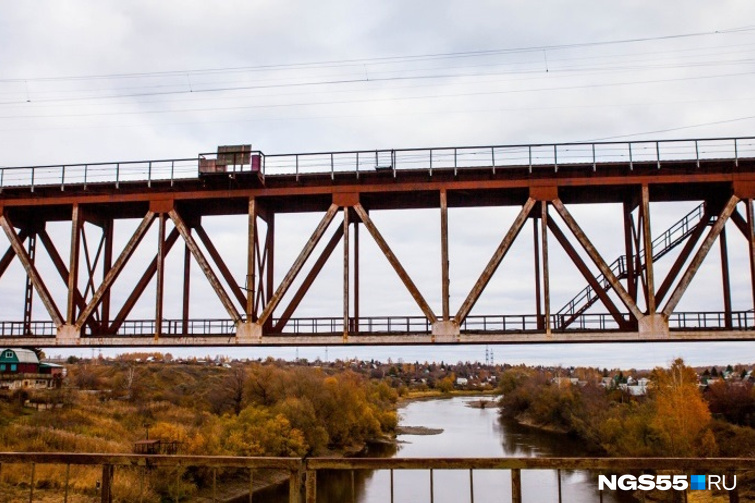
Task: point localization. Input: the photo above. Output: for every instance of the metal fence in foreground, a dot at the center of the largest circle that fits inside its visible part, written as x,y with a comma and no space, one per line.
302,473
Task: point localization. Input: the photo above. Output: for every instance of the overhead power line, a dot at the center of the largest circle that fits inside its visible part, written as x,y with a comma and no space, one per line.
384,59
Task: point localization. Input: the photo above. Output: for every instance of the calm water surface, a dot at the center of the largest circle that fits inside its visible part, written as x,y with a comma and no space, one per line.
468,432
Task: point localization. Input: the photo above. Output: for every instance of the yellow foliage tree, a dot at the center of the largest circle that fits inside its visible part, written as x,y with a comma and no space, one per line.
682,418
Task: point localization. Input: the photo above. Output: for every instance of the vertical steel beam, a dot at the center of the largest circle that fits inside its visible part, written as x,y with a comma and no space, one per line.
648,244
546,270
356,277
629,251
726,283
494,262
29,293
402,274
346,278
270,255
251,239
702,252
31,271
107,264
73,268
186,290
160,290
592,252
538,295
296,267
751,246
117,268
445,281
204,265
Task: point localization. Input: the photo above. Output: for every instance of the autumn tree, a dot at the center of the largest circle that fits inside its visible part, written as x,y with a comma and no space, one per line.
681,418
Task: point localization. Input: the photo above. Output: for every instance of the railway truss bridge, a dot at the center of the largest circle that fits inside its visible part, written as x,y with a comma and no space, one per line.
622,300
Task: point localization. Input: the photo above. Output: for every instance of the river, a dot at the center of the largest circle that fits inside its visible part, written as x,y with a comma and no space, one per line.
467,432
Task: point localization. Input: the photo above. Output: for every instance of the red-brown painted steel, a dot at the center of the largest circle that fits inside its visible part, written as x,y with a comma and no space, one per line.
633,183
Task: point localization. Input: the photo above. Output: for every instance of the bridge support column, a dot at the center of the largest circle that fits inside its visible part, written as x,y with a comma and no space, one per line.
445,331
655,324
68,334
249,332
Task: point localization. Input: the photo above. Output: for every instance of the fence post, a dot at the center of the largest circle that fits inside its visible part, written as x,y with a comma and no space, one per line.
516,485
31,485
251,485
311,487
733,493
106,496
294,487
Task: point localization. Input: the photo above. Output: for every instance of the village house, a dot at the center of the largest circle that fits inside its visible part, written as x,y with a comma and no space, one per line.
21,368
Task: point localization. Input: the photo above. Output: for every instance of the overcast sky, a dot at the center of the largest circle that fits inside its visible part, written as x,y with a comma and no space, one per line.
112,80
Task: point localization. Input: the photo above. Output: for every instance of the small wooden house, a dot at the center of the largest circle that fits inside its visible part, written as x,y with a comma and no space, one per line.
21,368
19,361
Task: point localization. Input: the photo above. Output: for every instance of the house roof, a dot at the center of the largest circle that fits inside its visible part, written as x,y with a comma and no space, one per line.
21,356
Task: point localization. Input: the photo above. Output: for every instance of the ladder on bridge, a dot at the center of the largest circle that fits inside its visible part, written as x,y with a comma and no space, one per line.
661,245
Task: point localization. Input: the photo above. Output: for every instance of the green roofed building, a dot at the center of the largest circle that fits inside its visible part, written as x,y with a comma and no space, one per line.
21,368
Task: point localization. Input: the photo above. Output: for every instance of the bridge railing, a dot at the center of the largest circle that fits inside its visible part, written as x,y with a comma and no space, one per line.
220,327
387,161
551,155
302,474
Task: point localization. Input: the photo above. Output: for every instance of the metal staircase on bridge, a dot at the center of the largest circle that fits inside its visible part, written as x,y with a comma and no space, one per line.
661,245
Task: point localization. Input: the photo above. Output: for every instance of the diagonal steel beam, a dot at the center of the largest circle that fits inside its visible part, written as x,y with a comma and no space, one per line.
592,252
298,263
591,279
402,274
63,271
494,262
91,263
694,265
741,224
31,271
224,271
10,253
117,268
304,288
673,273
204,265
138,290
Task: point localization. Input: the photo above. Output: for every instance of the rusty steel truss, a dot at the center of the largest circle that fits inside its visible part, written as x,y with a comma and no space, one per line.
542,181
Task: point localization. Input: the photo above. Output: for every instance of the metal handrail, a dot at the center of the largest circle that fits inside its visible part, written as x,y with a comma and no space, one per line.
514,323
539,155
